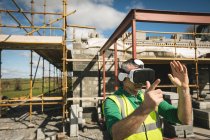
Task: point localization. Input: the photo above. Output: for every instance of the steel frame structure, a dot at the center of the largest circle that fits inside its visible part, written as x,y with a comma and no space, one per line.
139,15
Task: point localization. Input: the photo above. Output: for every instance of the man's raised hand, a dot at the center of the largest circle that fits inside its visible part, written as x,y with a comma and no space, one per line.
152,97
179,76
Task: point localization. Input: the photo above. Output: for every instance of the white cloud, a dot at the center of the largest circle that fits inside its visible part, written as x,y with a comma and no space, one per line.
135,4
97,13
100,15
14,73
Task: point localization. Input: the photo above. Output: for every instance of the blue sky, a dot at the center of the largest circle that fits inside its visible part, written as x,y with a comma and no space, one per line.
105,15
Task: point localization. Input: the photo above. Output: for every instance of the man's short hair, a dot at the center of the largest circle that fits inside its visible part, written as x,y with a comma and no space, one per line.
134,62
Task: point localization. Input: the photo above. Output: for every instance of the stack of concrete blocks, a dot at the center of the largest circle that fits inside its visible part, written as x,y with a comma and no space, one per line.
175,130
76,120
201,110
87,81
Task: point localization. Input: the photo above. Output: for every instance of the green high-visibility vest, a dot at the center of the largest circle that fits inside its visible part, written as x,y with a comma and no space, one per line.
152,127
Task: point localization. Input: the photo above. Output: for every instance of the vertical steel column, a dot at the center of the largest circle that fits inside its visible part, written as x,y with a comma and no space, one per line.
57,80
99,76
64,83
43,85
134,38
104,76
44,16
31,88
31,82
124,52
54,79
175,37
115,66
49,79
196,65
32,14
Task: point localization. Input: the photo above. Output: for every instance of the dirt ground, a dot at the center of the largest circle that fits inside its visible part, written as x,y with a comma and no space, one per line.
15,125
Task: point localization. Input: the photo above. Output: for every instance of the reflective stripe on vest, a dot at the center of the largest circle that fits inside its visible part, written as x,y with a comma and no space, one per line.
152,122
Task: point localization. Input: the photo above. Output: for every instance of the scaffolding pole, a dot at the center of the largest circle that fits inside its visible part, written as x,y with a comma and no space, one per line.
64,83
31,87
49,80
43,81
29,12
196,65
115,66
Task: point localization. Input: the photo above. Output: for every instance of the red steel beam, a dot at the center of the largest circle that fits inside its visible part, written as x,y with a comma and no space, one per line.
125,24
104,77
115,66
171,17
134,38
156,16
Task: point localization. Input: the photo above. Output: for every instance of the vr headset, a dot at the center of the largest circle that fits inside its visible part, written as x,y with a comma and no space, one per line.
139,75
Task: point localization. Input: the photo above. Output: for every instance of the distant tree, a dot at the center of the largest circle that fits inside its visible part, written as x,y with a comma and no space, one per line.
5,85
18,86
198,29
204,29
190,29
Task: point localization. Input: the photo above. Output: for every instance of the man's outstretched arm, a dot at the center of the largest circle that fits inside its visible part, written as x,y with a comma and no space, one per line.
179,77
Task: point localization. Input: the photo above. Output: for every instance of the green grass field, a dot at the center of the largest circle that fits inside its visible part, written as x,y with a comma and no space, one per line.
15,88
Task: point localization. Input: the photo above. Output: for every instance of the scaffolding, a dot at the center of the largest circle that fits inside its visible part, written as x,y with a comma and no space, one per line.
55,52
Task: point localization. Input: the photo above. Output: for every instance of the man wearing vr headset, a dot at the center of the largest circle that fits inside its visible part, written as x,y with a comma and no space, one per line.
132,114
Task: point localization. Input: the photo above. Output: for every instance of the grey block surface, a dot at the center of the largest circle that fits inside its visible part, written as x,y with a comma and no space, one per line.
202,118
170,95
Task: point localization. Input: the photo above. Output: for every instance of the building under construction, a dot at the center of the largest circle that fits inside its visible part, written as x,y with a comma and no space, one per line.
89,70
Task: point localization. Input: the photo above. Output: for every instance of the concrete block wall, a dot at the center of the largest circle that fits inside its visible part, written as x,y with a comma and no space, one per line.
86,79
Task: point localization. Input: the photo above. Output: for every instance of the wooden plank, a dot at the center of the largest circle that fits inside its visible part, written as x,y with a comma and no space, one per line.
22,42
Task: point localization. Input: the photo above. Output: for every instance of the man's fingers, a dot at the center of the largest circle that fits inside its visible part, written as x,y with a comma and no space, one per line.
180,66
184,68
147,84
170,77
172,67
176,66
154,85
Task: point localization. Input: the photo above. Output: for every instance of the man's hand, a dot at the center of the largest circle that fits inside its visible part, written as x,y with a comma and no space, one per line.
179,76
152,97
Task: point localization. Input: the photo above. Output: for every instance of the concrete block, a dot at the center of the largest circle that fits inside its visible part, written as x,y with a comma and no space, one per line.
74,132
201,104
170,95
202,118
177,130
40,134
201,123
202,113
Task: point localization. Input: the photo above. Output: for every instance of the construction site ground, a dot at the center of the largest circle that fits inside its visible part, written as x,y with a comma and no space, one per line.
15,125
